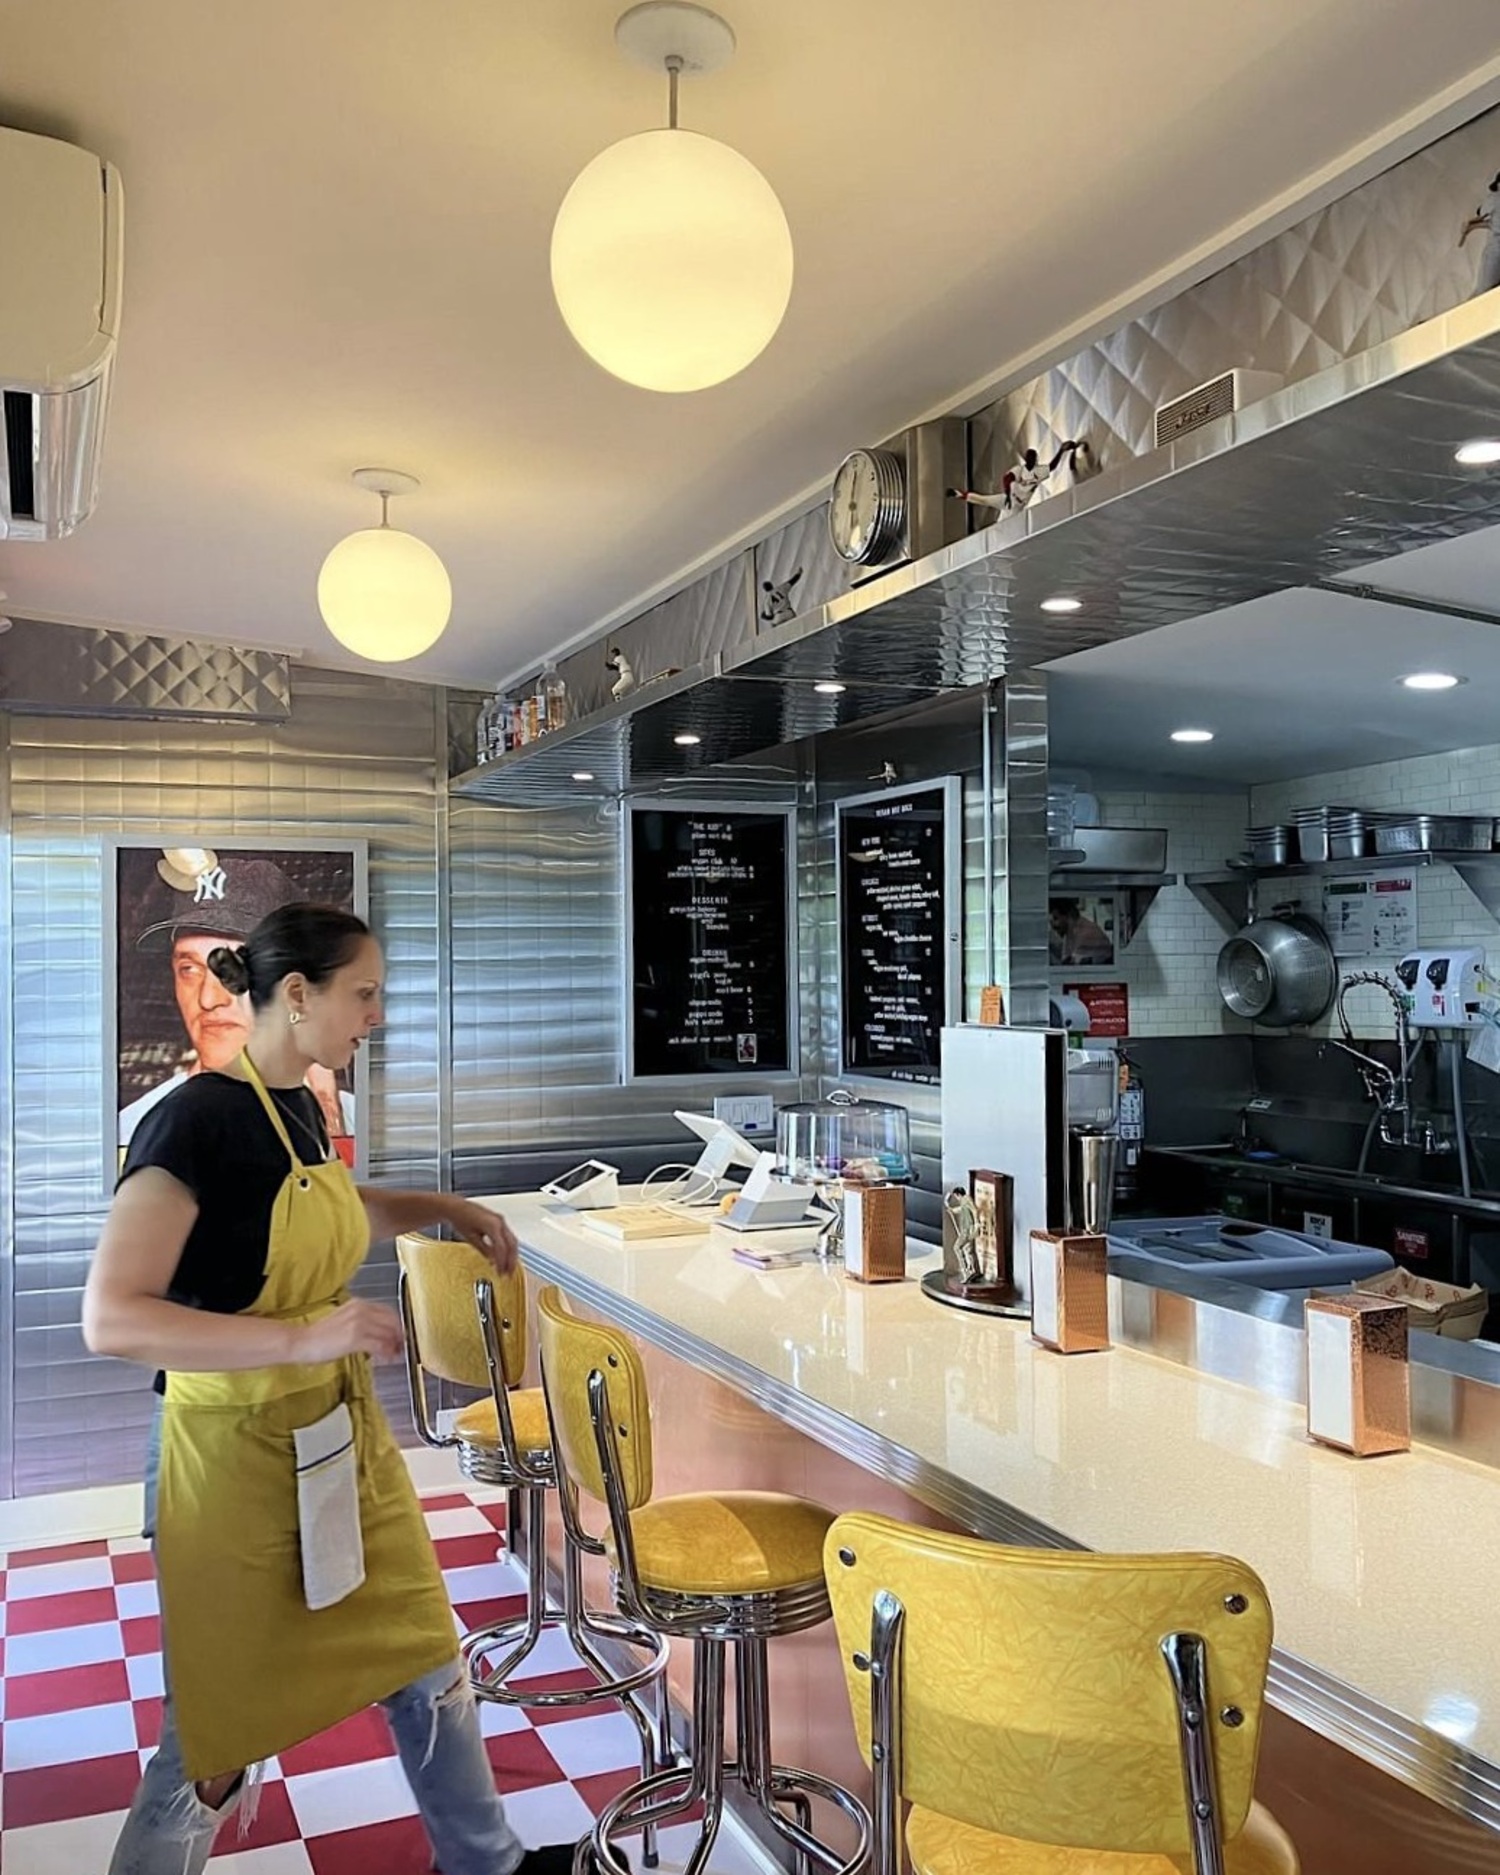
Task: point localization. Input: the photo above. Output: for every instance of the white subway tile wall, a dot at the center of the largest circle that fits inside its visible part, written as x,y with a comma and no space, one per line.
1462,781
1168,965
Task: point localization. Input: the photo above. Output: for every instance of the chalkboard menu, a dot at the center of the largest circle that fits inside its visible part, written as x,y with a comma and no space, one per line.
897,930
708,942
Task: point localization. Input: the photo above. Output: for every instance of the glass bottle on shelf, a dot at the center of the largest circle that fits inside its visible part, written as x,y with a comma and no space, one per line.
484,731
555,695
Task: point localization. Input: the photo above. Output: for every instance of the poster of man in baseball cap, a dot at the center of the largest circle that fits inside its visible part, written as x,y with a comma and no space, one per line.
173,1018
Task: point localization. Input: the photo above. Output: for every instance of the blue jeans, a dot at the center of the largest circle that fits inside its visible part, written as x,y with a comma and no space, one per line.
170,1830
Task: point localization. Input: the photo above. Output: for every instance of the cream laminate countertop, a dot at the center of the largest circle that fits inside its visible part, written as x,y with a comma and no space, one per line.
1381,1571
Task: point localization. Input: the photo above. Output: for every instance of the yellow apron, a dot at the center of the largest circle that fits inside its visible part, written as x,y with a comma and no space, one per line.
252,1670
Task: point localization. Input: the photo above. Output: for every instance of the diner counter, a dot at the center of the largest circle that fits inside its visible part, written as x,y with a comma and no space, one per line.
1380,1571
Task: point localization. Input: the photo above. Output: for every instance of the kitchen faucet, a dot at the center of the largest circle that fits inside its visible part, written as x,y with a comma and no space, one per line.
1389,1088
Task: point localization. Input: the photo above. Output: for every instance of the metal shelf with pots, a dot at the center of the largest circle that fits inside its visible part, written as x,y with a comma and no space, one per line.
1232,895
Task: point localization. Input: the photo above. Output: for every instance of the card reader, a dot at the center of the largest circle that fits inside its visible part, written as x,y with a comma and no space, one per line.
592,1186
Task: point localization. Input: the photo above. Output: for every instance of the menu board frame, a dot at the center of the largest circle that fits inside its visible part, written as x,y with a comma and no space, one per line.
719,810
949,791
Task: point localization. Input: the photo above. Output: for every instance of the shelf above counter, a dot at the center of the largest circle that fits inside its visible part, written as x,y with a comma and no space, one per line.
1232,893
1298,488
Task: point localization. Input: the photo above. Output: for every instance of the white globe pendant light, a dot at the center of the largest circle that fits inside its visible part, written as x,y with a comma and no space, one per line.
671,256
383,594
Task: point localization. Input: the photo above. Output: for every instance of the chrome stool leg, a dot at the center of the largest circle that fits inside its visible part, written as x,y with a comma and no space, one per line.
765,1781
584,1628
528,1503
667,1794
774,1788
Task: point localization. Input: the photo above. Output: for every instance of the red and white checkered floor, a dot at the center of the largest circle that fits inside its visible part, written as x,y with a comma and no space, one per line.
80,1704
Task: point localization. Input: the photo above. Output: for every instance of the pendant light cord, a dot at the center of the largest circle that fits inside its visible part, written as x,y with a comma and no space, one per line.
674,70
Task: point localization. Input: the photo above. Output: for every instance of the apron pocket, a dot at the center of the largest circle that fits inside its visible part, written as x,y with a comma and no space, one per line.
333,1551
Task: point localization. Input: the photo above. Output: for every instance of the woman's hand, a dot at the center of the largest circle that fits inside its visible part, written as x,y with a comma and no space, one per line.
486,1230
353,1328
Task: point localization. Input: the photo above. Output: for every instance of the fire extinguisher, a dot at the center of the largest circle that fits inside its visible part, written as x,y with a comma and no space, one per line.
1132,1130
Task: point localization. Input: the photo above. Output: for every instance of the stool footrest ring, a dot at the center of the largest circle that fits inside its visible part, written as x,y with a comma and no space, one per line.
646,1805
521,1635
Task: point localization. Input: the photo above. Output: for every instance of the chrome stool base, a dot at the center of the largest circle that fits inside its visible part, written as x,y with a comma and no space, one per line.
664,1795
585,1629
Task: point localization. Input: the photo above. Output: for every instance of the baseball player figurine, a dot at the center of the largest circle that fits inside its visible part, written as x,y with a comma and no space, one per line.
1486,216
1030,474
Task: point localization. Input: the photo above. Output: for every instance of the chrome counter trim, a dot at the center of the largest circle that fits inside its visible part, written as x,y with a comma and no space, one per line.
1416,1755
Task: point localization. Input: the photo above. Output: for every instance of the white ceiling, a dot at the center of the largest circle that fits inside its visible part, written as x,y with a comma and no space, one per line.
337,224
1301,683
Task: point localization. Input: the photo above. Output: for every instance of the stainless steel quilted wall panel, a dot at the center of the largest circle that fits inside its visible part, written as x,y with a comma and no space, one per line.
943,741
75,670
359,758
694,626
1362,270
538,921
800,558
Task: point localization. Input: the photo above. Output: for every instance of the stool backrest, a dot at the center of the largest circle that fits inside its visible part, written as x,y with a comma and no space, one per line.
439,1280
1033,1695
572,1351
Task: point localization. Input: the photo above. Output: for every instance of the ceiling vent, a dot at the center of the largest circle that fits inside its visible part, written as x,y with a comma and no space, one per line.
1219,397
61,227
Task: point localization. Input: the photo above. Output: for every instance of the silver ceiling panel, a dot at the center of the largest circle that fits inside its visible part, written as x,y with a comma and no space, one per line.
1324,477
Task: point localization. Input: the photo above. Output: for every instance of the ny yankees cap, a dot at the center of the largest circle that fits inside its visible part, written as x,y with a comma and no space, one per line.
229,900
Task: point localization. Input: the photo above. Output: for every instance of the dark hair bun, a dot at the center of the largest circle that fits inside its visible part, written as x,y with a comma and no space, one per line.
228,965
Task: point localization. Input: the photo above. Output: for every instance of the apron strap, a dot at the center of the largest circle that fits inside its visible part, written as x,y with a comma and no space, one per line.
273,1112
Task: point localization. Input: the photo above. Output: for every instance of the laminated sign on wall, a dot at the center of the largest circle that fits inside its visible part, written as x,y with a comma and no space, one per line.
1371,914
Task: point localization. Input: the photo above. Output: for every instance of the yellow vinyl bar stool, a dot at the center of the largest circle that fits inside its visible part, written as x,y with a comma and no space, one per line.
731,1569
466,1323
1054,1712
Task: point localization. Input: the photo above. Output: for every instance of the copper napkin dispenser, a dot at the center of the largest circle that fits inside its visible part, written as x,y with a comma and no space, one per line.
1358,1378
875,1233
1069,1292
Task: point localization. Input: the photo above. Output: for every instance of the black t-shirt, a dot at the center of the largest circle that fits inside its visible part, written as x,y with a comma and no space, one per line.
214,1137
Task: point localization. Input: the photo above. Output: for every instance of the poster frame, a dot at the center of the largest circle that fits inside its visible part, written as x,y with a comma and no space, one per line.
161,840
719,810
949,789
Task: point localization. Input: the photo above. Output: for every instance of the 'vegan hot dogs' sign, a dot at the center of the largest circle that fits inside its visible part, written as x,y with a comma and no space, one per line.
898,932
708,942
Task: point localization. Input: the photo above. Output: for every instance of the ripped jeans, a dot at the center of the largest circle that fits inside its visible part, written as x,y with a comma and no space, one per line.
170,1830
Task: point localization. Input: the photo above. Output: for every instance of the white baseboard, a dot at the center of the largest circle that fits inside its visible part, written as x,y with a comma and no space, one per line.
113,1510
70,1516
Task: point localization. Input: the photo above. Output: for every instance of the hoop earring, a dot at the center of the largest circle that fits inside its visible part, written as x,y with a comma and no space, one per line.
295,1017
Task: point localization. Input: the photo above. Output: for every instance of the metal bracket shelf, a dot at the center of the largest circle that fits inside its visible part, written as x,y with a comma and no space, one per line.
1234,896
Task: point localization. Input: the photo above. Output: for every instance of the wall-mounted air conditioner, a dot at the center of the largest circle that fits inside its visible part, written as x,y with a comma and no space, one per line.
61,232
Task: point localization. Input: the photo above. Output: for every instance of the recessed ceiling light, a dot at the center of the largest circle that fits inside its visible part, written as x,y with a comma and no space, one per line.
830,690
582,774
1432,680
1061,604
1478,454
1192,735
687,741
